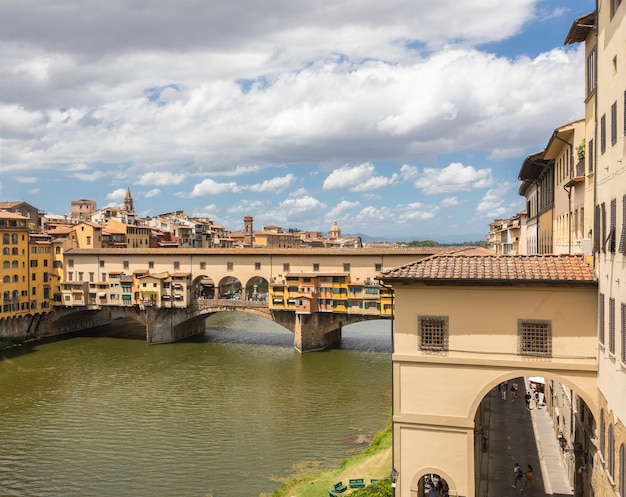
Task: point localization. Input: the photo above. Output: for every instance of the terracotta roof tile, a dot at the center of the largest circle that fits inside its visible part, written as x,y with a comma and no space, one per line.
490,268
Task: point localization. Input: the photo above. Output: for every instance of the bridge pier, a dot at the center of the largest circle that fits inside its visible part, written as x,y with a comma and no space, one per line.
164,325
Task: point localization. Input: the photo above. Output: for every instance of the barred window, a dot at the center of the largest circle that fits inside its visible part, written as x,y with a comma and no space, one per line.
433,332
230,266
285,267
534,337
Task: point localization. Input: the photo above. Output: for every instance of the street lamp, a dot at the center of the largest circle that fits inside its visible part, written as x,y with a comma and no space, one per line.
562,443
394,479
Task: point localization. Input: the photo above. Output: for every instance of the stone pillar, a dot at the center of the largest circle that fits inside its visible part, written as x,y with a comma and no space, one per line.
316,331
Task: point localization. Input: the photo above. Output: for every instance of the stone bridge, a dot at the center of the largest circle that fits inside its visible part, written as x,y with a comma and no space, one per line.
315,331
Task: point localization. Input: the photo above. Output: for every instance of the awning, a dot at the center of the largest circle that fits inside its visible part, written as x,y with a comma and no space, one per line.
102,295
537,379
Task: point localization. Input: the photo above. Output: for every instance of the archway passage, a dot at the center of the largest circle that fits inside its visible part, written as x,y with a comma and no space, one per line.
257,289
230,288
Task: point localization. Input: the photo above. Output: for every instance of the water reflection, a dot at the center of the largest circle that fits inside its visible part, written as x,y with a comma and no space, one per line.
103,414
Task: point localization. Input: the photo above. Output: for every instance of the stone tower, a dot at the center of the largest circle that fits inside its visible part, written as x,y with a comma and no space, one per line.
128,202
248,233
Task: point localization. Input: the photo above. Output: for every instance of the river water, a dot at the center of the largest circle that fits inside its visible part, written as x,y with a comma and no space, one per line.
231,413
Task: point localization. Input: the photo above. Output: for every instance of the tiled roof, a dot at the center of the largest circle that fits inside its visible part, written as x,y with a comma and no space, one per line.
496,268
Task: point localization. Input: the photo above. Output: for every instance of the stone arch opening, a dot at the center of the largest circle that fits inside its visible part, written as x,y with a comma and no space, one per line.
203,288
572,418
432,482
257,289
230,288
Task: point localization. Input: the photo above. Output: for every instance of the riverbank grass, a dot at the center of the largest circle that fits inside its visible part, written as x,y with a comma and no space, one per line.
373,462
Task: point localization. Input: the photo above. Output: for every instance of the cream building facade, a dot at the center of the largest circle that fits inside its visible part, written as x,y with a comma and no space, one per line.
463,325
603,33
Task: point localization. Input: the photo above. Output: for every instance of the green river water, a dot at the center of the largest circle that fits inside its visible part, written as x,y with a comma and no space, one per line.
227,414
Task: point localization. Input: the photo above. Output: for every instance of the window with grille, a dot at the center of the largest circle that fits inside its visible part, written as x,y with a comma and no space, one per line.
433,332
286,267
229,266
535,337
601,318
257,266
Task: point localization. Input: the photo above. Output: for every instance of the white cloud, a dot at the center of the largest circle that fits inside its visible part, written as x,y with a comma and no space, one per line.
117,196
344,205
211,187
25,179
450,202
358,179
274,185
492,204
161,178
456,177
152,193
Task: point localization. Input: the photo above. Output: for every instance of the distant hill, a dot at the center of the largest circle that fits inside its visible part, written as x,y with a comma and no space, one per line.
441,239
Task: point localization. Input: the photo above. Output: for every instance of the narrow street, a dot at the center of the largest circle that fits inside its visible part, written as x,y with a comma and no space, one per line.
516,434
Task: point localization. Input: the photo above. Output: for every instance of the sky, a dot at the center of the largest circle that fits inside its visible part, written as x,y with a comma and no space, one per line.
403,119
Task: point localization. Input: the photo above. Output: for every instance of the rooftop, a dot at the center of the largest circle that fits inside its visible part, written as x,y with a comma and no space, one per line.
491,269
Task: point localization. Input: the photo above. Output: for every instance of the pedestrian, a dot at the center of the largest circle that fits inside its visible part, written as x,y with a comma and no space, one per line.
529,478
514,391
503,387
517,475
527,398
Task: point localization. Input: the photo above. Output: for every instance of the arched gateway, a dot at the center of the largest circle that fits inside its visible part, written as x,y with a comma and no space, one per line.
463,325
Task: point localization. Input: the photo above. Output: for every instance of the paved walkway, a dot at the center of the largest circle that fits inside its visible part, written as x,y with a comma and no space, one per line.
527,437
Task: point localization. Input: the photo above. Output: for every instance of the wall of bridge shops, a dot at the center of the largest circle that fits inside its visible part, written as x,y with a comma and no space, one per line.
245,265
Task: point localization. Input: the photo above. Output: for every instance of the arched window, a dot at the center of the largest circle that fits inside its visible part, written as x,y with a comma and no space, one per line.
611,453
16,278
14,239
16,295
6,251
622,471
15,264
6,265
15,251
5,238
601,432
6,279
7,296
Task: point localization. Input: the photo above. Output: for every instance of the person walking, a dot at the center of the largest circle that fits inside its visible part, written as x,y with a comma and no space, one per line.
514,388
503,387
529,478
517,475
527,398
